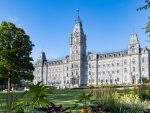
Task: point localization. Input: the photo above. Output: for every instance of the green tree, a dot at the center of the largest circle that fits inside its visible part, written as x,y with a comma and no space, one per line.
15,50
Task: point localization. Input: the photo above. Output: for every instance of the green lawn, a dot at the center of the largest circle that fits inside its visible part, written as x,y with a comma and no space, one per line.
66,97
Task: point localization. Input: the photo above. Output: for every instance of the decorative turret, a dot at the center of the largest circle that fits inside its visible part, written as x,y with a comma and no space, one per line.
134,46
42,57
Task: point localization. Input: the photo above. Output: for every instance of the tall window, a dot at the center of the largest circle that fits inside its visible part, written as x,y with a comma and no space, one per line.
76,73
142,59
89,72
133,69
108,65
113,72
143,69
103,65
125,70
125,61
103,72
112,64
133,60
117,71
89,66
93,80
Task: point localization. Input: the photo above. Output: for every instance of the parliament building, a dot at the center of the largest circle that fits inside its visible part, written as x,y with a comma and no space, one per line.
86,68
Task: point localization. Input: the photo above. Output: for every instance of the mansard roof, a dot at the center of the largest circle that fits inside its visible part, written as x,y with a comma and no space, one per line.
110,55
113,54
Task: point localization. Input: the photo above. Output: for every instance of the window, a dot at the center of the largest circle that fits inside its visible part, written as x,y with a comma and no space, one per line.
117,64
112,64
76,73
89,66
108,65
143,60
101,81
133,60
103,72
99,66
117,71
125,61
103,65
89,72
125,70
113,72
89,80
76,65
92,66
118,79
143,69
89,58
111,81
133,69
67,74
106,81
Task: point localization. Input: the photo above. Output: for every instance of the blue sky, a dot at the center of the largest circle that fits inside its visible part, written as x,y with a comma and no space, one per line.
107,23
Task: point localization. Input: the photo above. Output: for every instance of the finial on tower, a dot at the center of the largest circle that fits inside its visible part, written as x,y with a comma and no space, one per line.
78,12
78,16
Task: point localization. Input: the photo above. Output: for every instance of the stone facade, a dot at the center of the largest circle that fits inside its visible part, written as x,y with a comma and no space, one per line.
79,68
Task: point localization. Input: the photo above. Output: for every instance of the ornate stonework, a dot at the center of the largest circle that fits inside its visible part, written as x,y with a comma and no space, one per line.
79,68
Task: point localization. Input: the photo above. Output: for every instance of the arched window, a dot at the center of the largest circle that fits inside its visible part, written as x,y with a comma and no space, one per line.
133,60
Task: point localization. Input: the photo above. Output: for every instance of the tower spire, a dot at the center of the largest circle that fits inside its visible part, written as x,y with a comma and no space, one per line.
78,12
78,16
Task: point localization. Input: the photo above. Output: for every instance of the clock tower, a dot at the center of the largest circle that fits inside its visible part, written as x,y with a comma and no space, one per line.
78,55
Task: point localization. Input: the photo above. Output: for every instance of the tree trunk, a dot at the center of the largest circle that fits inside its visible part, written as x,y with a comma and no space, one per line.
8,95
9,85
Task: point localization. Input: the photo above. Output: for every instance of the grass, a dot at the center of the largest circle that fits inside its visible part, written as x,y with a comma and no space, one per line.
66,97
